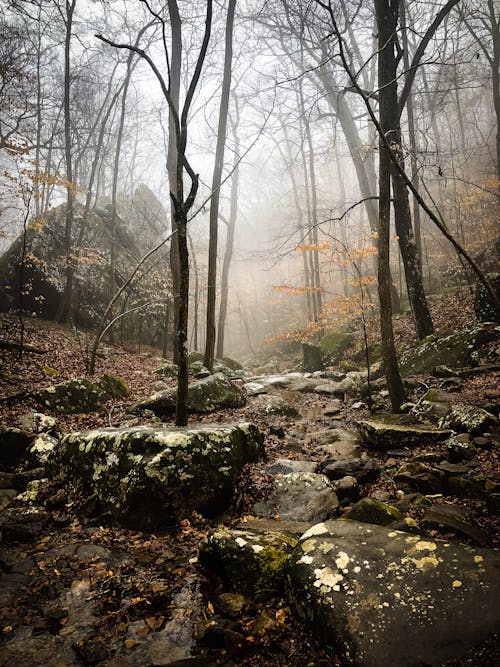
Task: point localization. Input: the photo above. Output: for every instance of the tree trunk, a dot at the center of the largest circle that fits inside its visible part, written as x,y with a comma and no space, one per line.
228,253
64,314
174,89
216,184
386,12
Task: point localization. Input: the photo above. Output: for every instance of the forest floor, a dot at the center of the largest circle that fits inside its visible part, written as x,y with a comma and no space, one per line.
96,593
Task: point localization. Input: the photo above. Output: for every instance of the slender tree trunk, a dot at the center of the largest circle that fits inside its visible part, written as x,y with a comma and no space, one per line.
300,225
175,83
386,12
64,314
216,183
114,189
228,253
495,72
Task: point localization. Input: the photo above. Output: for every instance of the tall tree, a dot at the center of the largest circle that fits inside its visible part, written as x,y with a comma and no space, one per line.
216,184
386,25
65,309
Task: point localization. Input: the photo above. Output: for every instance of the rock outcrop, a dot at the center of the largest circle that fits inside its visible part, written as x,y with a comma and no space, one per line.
151,476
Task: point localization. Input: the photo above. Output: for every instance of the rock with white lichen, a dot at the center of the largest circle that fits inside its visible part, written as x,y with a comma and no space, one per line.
469,419
380,596
149,476
204,395
82,395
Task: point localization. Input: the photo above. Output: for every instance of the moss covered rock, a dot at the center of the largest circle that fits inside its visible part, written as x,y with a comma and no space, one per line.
205,395
82,395
370,510
334,345
253,562
149,476
455,351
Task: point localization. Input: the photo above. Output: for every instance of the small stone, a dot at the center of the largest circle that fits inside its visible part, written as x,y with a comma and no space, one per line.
347,488
370,510
230,604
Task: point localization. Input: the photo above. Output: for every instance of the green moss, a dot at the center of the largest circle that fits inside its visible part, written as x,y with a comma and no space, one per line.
115,387
272,563
335,344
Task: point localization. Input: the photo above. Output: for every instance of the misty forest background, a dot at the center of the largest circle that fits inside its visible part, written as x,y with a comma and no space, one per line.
271,129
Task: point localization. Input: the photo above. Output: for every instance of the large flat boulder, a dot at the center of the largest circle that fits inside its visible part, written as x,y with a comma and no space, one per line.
205,395
383,597
393,432
149,476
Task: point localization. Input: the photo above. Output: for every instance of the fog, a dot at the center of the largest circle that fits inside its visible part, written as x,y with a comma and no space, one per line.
299,140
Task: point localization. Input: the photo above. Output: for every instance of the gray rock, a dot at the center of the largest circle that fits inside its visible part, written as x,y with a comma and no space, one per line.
206,395
303,496
470,419
421,478
37,422
384,597
82,395
149,476
391,431
274,405
254,388
167,369
363,469
336,442
347,488
286,466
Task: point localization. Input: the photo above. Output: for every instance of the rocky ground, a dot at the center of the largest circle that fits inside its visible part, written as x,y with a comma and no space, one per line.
79,588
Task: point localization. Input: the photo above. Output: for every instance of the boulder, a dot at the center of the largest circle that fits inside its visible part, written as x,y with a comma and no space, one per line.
14,444
274,405
363,469
455,351
391,432
82,395
303,496
254,388
252,561
336,442
205,395
37,422
469,419
382,597
311,357
151,476
167,369
334,345
370,510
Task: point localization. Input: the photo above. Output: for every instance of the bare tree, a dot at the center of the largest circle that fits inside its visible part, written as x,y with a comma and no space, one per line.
182,203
